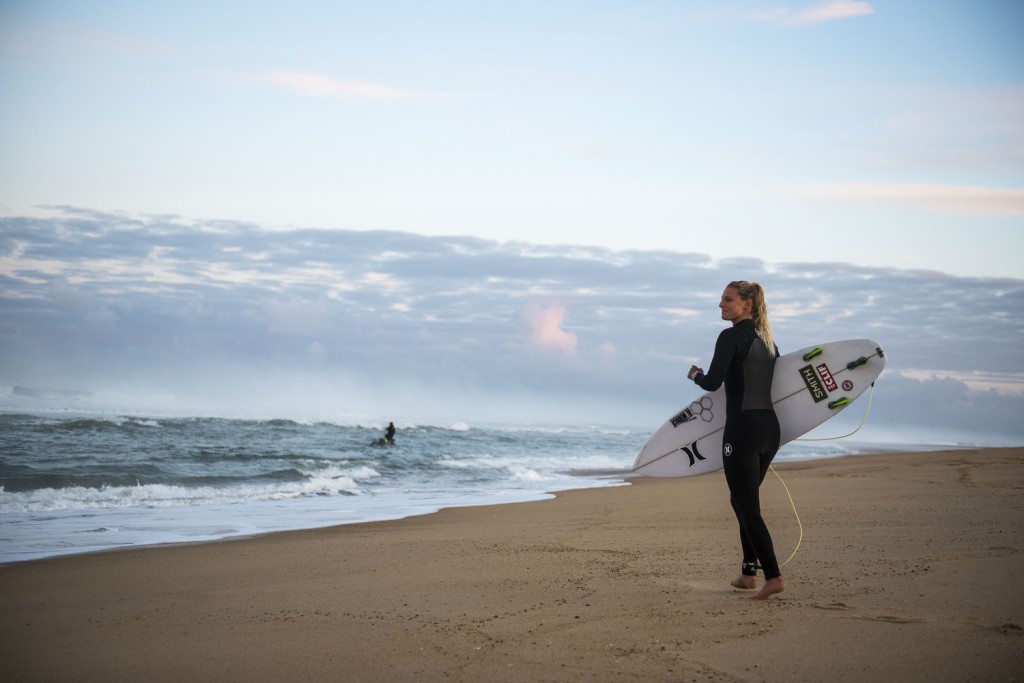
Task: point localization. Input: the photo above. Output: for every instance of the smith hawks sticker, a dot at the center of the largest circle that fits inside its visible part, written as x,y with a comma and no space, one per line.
814,384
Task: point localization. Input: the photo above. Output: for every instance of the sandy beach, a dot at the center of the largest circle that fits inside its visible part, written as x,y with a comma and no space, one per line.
906,571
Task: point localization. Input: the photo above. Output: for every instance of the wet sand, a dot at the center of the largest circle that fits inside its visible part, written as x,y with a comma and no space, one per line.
907,571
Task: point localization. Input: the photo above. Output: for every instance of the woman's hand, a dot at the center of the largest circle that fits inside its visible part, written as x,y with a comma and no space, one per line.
694,371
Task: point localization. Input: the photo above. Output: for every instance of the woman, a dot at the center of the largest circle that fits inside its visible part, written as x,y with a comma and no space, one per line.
745,360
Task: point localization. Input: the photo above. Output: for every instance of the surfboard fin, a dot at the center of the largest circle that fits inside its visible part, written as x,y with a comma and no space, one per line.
816,351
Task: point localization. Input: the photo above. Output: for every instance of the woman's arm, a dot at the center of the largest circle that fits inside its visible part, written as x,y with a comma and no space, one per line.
725,349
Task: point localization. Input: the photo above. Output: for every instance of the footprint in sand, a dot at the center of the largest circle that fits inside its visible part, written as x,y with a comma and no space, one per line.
889,619
886,618
833,606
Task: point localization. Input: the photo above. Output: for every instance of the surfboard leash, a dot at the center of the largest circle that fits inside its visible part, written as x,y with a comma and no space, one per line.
796,514
799,524
871,395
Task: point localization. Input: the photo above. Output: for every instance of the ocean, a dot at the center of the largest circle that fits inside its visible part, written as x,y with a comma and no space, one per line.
73,483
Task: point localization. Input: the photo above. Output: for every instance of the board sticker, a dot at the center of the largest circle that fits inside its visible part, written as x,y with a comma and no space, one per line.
701,409
814,384
692,452
826,377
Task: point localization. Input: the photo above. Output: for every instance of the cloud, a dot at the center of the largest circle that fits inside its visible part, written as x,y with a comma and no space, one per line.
959,199
1007,384
452,325
829,11
296,316
546,331
977,128
317,85
822,12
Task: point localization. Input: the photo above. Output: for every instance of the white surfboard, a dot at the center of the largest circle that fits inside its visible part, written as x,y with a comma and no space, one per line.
809,386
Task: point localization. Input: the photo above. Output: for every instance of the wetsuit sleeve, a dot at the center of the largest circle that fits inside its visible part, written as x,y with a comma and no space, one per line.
725,349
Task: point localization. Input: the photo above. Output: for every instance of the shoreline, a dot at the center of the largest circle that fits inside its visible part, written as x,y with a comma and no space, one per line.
173,526
901,572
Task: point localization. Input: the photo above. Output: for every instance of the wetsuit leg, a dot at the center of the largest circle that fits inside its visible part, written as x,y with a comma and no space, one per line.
752,440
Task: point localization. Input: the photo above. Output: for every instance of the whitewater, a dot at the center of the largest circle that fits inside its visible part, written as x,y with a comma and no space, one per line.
72,483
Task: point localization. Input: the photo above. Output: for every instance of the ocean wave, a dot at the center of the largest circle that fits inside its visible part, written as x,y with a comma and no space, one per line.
79,423
74,417
327,481
532,468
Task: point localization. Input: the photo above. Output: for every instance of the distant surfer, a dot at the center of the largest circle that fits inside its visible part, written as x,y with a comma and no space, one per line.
745,361
389,436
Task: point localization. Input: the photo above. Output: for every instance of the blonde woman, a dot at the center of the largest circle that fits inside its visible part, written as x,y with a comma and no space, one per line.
745,361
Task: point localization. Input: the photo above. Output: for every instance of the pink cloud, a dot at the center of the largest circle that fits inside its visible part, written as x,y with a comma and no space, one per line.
828,11
959,199
824,11
546,328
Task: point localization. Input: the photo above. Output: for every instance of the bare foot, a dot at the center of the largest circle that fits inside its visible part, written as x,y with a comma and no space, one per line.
770,588
745,582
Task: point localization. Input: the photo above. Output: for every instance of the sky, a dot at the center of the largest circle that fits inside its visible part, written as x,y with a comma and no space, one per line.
887,133
429,208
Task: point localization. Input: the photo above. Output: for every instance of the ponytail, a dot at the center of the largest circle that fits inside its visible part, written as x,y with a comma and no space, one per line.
754,292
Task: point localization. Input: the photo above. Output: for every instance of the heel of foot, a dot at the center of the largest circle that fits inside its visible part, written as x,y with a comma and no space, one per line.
744,582
770,588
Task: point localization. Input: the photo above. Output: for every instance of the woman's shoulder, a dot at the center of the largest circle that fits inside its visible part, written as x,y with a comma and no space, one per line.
738,330
730,335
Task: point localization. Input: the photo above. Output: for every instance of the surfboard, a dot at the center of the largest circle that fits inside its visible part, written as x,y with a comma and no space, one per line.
809,387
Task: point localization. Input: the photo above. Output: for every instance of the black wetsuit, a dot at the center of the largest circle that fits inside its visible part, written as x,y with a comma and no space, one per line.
751,436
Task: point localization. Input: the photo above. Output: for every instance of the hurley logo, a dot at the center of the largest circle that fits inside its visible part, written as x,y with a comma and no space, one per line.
727,449
694,454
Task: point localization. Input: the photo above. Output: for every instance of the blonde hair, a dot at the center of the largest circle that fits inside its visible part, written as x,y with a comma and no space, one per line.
754,292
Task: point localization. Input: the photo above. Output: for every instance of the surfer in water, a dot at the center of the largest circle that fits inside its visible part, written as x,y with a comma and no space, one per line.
389,436
745,361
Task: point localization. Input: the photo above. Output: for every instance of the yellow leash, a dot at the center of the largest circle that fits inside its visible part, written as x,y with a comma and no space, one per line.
795,513
864,419
831,438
